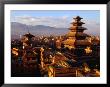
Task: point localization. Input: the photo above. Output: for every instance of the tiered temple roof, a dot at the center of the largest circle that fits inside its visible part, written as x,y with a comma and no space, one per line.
76,33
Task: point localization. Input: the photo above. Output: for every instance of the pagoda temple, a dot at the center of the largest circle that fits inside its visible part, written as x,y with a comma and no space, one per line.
29,54
76,38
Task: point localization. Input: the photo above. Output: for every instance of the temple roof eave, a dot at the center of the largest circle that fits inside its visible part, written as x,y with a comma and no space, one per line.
77,22
73,34
77,17
82,42
77,28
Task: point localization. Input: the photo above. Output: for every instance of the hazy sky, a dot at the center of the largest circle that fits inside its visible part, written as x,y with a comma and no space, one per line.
60,19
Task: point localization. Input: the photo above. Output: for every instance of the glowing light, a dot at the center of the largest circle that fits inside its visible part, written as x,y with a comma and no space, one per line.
88,50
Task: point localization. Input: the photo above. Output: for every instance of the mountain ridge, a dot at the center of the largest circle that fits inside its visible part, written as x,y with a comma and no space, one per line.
21,29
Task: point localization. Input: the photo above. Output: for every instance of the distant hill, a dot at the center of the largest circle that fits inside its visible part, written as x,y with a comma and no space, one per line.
20,29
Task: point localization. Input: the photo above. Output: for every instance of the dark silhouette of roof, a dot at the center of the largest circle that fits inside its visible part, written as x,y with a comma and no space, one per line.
78,18
29,35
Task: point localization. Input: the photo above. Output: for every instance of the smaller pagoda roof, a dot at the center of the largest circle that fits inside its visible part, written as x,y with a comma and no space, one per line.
29,35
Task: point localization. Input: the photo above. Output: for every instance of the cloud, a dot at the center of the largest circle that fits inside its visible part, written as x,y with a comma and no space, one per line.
64,17
48,21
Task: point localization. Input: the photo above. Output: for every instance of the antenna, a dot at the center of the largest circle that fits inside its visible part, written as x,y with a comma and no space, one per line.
28,30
